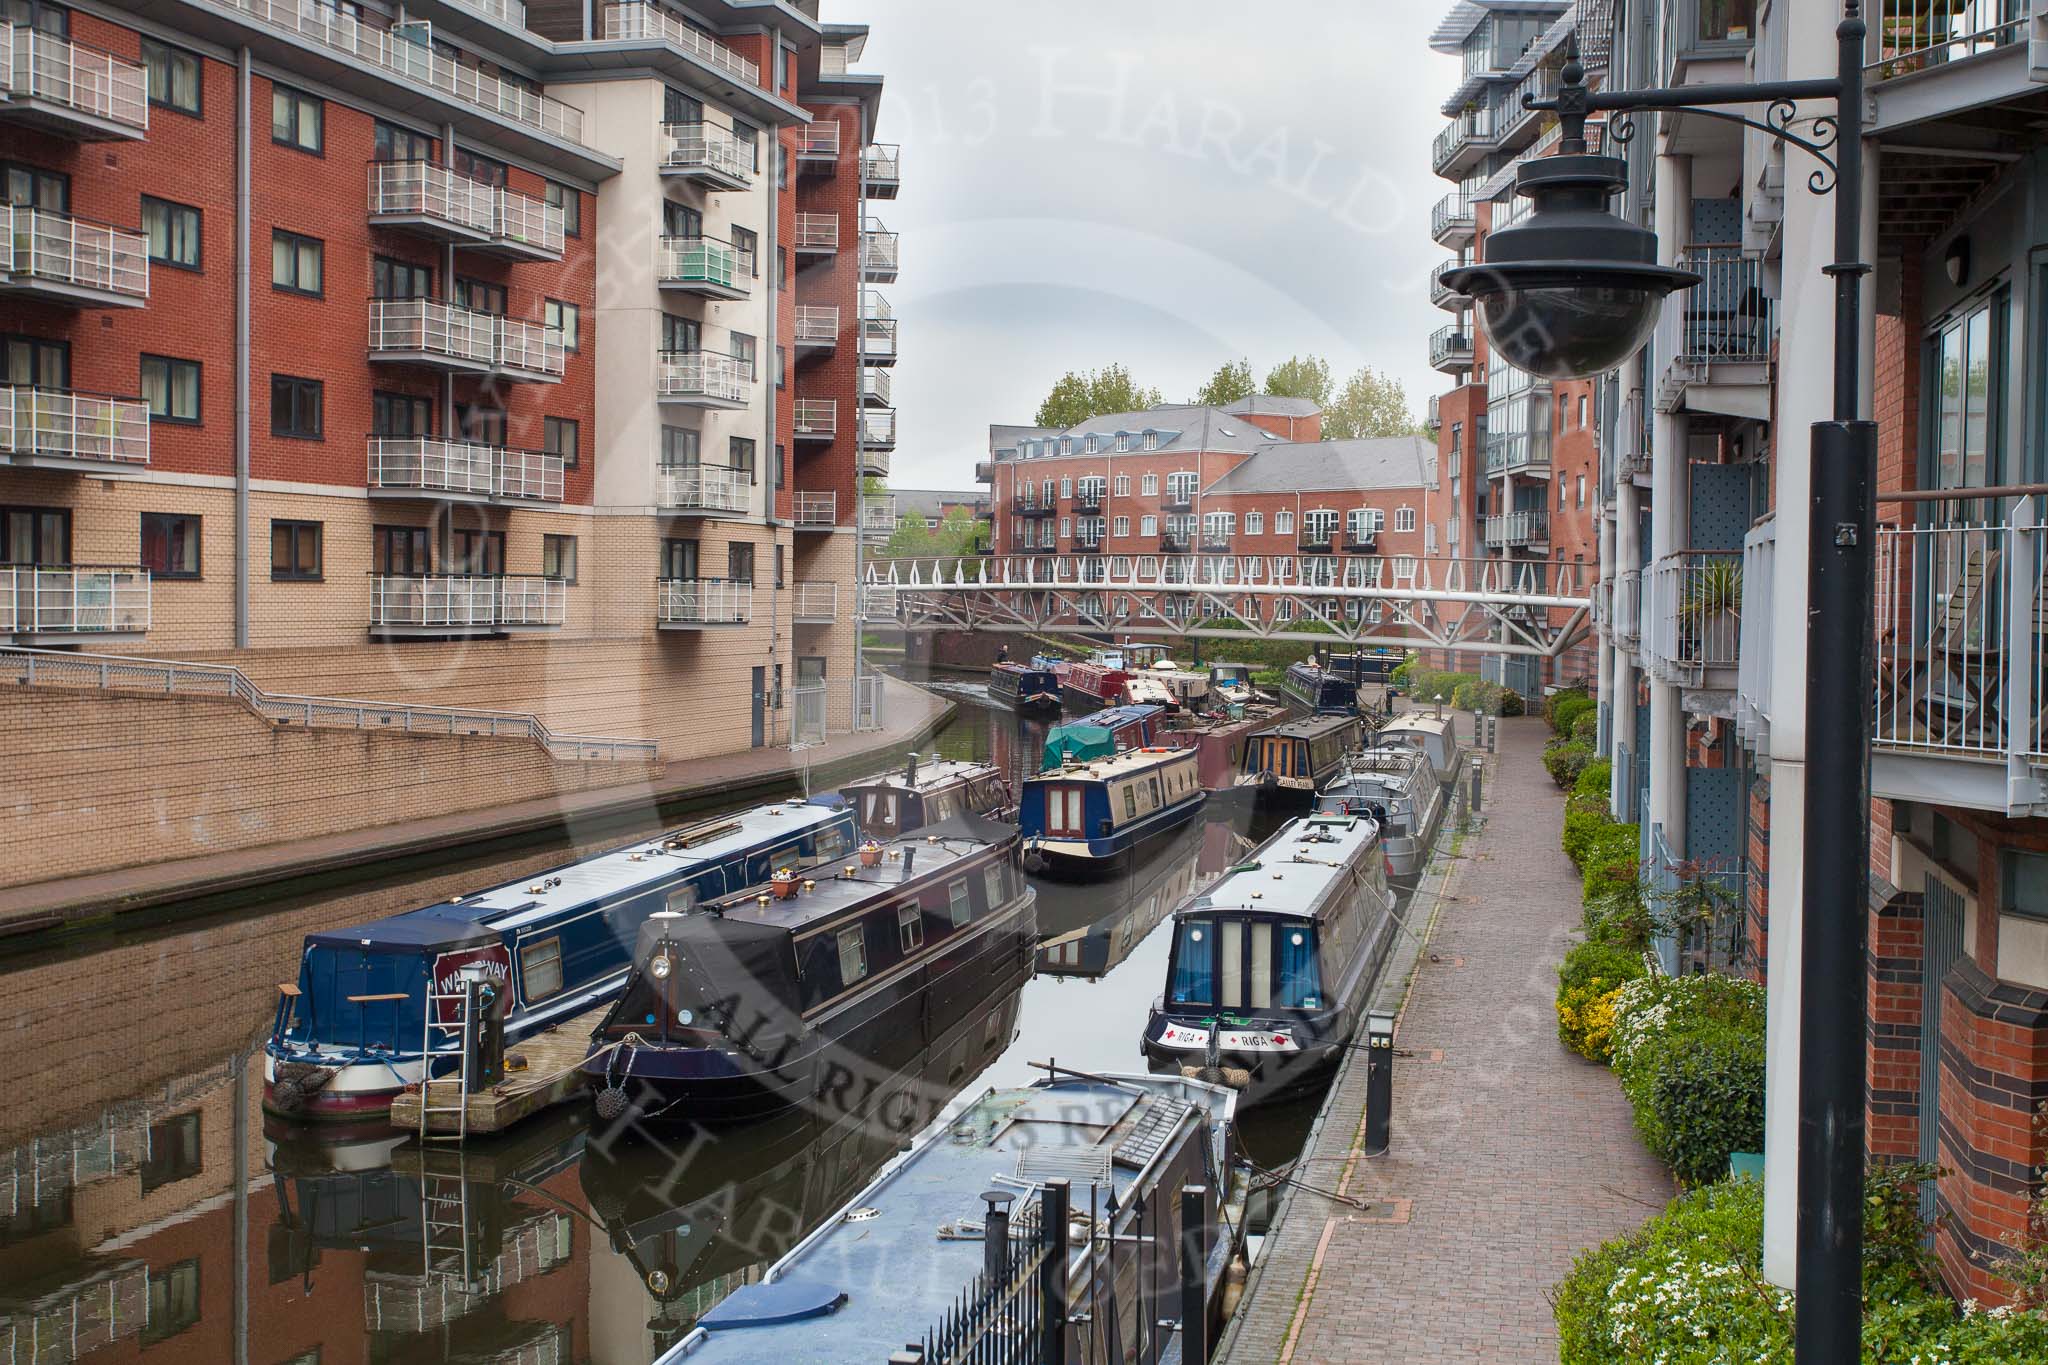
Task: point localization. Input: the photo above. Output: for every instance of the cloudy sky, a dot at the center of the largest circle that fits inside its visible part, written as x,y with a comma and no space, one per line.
1162,183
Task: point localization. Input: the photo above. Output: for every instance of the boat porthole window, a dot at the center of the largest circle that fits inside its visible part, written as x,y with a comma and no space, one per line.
685,1017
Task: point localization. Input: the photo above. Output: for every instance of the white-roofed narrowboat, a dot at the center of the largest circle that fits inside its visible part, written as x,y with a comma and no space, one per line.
1088,819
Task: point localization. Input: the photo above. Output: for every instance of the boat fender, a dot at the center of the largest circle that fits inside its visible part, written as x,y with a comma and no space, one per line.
295,1082
611,1103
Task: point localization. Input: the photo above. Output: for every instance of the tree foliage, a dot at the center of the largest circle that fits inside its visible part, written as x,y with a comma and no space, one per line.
1369,404
955,536
1301,376
1232,381
1076,396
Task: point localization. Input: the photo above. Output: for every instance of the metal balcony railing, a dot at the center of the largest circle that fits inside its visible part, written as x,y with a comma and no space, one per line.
1471,130
431,327
1628,606
39,245
704,602
1695,618
51,69
709,148
817,324
878,428
426,464
1434,411
633,19
702,374
874,461
405,52
702,260
816,417
531,348
508,12
876,386
1441,294
817,232
1450,348
1513,117
1754,650
703,488
1726,316
62,424
427,602
881,164
1031,507
1914,35
1528,527
73,599
421,189
878,340
534,224
814,508
878,512
819,139
878,251
816,602
1452,217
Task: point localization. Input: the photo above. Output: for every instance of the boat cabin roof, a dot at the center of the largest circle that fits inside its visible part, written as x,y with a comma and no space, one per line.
1108,768
1115,717
932,774
931,851
1293,872
1307,727
1412,723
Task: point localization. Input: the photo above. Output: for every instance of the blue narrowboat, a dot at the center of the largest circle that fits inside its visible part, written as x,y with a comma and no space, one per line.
1089,818
1024,688
1108,731
1320,690
353,1030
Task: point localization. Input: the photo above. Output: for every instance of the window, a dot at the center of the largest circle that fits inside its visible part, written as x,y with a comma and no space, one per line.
296,263
853,955
170,545
540,969
402,144
2024,884
1066,488
1255,523
295,551
992,882
1148,485
475,422
480,297
34,187
1123,485
681,334
910,929
749,137
1404,518
740,455
401,414
1180,486
679,559
1123,526
1582,490
173,1301
480,168
561,436
558,558
570,202
748,244
679,446
173,76
1063,811
173,232
739,561
1283,522
567,317
294,407
958,907
174,1151
399,550
781,368
1582,410
1148,526
391,278
171,388
295,120
481,553
743,350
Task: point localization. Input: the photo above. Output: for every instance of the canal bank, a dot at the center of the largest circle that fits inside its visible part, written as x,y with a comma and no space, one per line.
911,714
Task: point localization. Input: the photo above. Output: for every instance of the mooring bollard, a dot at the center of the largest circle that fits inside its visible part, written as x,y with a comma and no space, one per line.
1478,777
1379,1082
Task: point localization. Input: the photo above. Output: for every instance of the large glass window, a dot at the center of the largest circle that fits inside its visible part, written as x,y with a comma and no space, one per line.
170,544
171,388
173,232
1968,364
1194,964
296,119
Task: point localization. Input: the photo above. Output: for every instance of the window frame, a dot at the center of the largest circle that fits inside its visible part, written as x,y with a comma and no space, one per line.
297,241
301,101
174,365
169,520
174,52
568,321
197,264
552,942
853,936
909,927
569,200
960,903
557,542
551,430
294,527
300,387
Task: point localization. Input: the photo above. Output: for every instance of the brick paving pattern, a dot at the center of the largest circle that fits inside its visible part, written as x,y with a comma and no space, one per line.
1509,1156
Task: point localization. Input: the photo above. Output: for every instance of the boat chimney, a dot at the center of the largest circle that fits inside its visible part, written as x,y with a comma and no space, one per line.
909,857
910,770
996,1240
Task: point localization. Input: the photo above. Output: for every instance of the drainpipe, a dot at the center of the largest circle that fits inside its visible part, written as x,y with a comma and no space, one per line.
860,426
244,83
770,253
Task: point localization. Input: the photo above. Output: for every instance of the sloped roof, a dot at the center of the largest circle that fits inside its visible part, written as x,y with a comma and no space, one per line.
1272,405
1317,466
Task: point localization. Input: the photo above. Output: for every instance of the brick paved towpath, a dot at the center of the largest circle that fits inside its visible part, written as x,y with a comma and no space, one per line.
1509,1155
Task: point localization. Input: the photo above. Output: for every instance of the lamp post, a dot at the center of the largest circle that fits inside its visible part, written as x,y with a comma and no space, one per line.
1570,293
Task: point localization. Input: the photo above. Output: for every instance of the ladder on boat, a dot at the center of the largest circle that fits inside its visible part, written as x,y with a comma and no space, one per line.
452,1042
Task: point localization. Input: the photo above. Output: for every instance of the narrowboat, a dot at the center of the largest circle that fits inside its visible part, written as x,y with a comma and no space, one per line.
1142,689
1055,664
1183,686
1090,818
1034,1210
1218,735
769,999
1232,684
1366,666
1311,686
353,1030
1271,968
1285,765
1095,681
1110,730
1024,687
1397,788
1435,736
926,793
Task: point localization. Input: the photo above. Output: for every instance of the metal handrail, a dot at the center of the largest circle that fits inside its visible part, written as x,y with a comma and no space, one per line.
710,145
705,260
85,599
878,426
878,247
48,66
704,601
816,600
819,231
431,464
78,426
531,346
1695,616
43,244
529,221
635,19
432,191
715,488
882,162
876,383
59,668
816,416
817,322
810,507
1915,35
818,139
708,374
433,327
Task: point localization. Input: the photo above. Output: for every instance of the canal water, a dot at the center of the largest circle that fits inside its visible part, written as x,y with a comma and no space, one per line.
150,1211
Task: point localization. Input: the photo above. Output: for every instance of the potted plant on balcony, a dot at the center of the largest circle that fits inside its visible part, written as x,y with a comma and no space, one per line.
1710,611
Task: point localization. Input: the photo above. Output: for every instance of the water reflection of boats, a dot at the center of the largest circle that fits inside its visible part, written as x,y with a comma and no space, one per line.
1089,929
927,792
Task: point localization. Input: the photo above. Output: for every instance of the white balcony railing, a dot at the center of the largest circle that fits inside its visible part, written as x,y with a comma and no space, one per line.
1529,527
878,512
707,147
701,260
817,324
817,601
423,189
704,602
428,465
878,427
878,249
73,599
1915,35
1628,606
882,162
53,69
817,417
817,232
1695,617
815,508
509,12
818,139
702,374
522,220
636,20
533,347
704,487
876,386
434,328
73,426
462,601
1753,668
37,244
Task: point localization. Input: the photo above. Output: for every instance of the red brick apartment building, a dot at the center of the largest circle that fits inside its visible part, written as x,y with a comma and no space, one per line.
466,354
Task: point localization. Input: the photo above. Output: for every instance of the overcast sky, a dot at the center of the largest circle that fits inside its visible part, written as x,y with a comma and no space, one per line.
1163,183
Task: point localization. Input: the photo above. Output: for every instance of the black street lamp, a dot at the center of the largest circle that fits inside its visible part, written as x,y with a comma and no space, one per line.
1571,293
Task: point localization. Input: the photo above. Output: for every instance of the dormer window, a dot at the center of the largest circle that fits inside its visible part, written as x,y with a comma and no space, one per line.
1151,439
1123,440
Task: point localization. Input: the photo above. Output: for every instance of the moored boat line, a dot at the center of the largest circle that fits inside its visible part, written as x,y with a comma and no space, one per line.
1284,765
1102,733
1088,818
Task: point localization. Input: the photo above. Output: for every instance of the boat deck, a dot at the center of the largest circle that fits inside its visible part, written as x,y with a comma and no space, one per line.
549,1078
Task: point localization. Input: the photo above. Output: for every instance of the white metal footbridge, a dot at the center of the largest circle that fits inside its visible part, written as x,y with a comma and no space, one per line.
1494,606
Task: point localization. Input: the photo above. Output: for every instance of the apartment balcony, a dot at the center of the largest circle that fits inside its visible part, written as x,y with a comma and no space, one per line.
1433,413
1516,126
704,266
702,603
874,462
633,19
530,351
878,331
1510,453
1441,294
984,471
816,604
457,340
817,234
814,511
1316,542
817,419
1463,144
1361,542
1036,550
1714,340
462,471
878,428
875,388
878,253
526,229
702,379
878,513
1212,545
68,89
1453,222
1527,529
1698,32
817,148
433,201
1450,350
704,490
1177,499
1032,507
881,169
66,604
1628,607
1754,650
1088,503
1693,632
817,328
706,154
63,429
54,258
1088,544
465,604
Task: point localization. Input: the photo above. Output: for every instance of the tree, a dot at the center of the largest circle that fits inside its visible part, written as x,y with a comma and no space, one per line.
1232,381
1076,397
1370,404
1301,377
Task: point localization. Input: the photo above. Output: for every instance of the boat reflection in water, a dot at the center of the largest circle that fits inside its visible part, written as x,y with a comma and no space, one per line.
1086,931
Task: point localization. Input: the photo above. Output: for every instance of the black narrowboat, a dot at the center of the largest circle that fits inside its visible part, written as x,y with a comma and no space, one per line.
1023,687
927,792
1285,765
1319,690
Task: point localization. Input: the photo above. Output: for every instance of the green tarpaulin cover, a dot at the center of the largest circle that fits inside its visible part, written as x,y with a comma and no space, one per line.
1077,742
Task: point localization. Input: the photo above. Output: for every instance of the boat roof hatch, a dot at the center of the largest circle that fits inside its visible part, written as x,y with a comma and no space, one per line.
773,1301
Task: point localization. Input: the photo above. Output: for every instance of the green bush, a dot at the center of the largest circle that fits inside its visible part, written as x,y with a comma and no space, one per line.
1476,694
1690,1054
1612,863
1588,982
1590,791
1565,713
1564,760
1587,726
1580,828
1553,700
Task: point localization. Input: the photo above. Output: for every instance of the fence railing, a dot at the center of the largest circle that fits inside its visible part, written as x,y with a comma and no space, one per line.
529,222
533,347
707,147
1452,213
882,162
38,65
878,248
807,714
74,599
1695,617
1449,346
878,427
163,677
1753,668
429,464
816,416
878,512
702,374
1726,317
43,245
809,507
867,702
706,487
423,189
633,19
817,231
1913,35
878,339
876,385
816,601
704,602
428,601
432,327
1472,127
700,260
74,426
1628,605
1526,527
818,139
817,323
